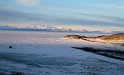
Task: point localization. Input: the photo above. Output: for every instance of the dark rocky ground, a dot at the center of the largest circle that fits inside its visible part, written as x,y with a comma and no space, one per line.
116,54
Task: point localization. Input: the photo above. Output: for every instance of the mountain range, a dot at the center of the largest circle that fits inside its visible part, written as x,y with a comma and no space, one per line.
49,28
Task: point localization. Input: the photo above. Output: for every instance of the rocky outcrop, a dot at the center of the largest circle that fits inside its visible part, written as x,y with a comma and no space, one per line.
74,37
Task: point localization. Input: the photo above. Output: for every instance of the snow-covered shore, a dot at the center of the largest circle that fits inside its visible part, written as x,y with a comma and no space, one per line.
47,53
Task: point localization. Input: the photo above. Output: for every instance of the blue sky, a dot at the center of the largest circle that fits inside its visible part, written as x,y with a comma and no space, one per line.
89,14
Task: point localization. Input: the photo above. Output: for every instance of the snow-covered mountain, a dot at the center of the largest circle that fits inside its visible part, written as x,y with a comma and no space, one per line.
49,28
40,28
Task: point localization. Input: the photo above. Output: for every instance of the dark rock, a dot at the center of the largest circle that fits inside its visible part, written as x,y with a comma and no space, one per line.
116,54
10,47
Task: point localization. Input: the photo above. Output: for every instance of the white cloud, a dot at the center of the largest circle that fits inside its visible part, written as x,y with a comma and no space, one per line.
28,2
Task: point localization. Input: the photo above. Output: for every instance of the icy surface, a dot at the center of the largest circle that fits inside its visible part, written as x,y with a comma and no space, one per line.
47,53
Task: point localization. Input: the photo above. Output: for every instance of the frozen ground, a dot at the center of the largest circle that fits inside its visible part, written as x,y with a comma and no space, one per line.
47,53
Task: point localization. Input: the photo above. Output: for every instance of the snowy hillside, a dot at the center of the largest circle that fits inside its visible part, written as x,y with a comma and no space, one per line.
117,38
47,53
106,38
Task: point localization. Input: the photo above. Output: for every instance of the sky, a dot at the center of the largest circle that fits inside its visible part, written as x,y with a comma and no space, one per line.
88,14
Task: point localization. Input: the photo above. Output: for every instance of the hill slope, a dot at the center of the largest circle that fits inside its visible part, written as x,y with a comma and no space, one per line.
115,38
